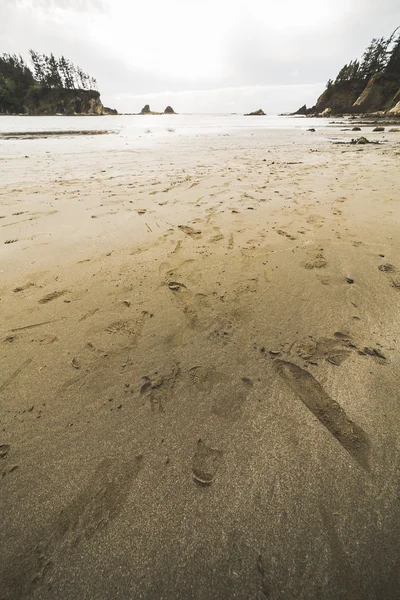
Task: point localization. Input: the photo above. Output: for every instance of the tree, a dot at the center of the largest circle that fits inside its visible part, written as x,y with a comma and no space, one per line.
18,83
54,76
393,64
36,60
67,75
15,80
375,58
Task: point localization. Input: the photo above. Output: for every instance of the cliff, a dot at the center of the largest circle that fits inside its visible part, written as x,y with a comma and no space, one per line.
51,101
339,97
380,94
368,86
54,86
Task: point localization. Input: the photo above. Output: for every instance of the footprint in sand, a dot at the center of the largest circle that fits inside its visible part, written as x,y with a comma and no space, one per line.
175,286
334,350
205,463
330,414
195,306
228,394
22,288
52,296
190,231
224,327
316,262
285,234
395,283
387,268
218,235
90,512
4,450
132,327
325,280
158,388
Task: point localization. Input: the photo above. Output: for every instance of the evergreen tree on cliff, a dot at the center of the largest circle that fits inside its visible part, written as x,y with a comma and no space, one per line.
371,84
15,80
22,88
393,64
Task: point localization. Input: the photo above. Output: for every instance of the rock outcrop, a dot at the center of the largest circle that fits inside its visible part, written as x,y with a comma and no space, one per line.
256,113
302,110
169,111
395,110
380,94
110,111
60,101
52,86
366,86
146,111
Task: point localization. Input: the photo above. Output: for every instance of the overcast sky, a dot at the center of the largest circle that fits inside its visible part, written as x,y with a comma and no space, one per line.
201,55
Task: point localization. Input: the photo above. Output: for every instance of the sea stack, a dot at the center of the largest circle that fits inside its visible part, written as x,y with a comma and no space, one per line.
145,110
256,113
169,111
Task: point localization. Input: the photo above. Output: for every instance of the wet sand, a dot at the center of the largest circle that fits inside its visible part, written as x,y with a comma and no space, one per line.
199,369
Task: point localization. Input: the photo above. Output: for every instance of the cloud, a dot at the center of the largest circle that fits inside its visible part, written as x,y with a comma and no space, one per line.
272,98
135,50
51,5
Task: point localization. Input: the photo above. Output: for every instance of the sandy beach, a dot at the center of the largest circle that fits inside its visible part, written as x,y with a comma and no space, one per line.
199,367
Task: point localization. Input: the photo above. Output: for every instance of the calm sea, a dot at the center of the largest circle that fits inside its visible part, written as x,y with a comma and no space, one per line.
159,125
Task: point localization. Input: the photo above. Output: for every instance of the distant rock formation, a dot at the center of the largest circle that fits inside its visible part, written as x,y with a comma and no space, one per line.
109,111
169,111
256,113
146,111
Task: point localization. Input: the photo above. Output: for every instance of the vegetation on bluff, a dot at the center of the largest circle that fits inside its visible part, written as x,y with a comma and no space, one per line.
368,85
382,56
25,88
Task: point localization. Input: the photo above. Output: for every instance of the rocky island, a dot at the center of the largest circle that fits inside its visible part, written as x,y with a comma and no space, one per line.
256,113
146,111
51,86
369,86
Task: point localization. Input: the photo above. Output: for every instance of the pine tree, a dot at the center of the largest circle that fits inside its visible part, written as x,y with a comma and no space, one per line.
54,80
374,58
393,64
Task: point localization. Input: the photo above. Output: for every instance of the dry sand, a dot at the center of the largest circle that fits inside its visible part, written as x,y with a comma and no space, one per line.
200,370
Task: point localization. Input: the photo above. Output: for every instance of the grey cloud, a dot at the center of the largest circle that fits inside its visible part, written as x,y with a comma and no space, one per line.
253,56
50,5
268,56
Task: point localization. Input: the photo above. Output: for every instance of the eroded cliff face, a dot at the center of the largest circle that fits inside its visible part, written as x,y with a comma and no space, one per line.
395,110
339,97
51,101
66,102
381,94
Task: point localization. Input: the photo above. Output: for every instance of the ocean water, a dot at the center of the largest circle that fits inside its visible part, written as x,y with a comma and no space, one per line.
133,126
148,131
